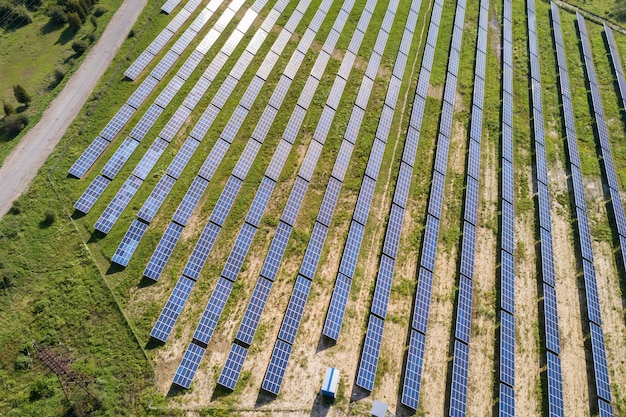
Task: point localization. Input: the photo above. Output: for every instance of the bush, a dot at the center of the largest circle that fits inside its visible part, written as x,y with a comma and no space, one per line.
49,218
100,10
57,15
620,11
94,22
21,95
59,74
90,37
14,124
73,19
8,108
80,46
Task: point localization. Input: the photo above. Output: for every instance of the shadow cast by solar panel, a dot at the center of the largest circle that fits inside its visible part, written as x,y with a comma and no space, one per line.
144,282
114,268
153,343
76,214
175,391
220,392
358,393
321,405
96,236
264,398
324,343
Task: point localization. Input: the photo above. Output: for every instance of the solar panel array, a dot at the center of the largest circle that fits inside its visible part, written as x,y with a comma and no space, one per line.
618,70
184,154
550,318
178,118
169,6
506,365
601,376
89,157
415,362
222,208
460,365
236,258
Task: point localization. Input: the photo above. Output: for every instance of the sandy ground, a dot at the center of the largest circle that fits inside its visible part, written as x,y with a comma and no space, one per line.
22,164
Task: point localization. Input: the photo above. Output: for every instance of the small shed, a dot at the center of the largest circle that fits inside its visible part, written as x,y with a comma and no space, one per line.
331,382
379,409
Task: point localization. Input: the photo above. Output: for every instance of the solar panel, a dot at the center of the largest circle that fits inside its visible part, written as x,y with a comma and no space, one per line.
473,160
213,160
337,307
507,348
429,245
88,157
260,202
605,409
436,194
242,65
150,158
508,227
252,316
163,251
366,194
579,188
146,122
471,201
601,371
410,146
458,391
224,93
92,194
295,309
164,65
351,250
280,92
508,185
382,290
139,65
226,200
507,282
551,319
401,59
547,260
468,250
142,92
441,155
251,93
313,250
370,354
464,310
129,243
168,93
233,366
543,198
201,250
156,198
584,235
324,216
506,406
213,311
118,121
178,20
384,123
422,300
173,125
183,42
117,205
555,385
264,124
276,252
276,370
591,293
394,230
376,157
174,305
238,253
413,370
189,365
295,201
295,122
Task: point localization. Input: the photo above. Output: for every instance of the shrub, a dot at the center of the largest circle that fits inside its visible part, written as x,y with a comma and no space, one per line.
59,74
21,95
100,10
90,37
49,218
73,19
14,124
57,15
94,22
8,108
80,46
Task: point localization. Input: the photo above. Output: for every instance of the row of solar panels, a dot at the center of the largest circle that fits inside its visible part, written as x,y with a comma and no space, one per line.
110,131
601,376
460,365
169,6
175,303
549,310
506,348
155,47
200,183
186,370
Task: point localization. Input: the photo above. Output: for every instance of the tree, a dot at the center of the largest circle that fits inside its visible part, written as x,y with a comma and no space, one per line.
8,108
21,95
14,124
57,15
73,19
80,47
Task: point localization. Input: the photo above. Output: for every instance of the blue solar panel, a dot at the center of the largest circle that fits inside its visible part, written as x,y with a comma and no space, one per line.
506,406
429,246
276,370
205,122
382,290
323,125
238,253
119,158
508,227
351,250
88,157
579,188
190,201
584,235
114,210
508,185
129,243
91,194
246,159
507,348
252,316
470,213
260,202
507,282
295,201
436,194
464,310
174,124
342,161
413,370
226,200
473,160
150,158
163,252
370,354
543,198
331,195
293,315
394,230
422,300
278,161
601,371
458,391
168,93
182,157
468,250
213,311
507,143
555,385
375,159
232,367
403,185
201,250
547,259
410,146
551,319
313,250
366,194
189,365
337,308
276,252
591,293
118,121
173,307
196,94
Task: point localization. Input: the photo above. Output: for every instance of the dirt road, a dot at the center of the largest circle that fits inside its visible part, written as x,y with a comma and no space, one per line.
21,166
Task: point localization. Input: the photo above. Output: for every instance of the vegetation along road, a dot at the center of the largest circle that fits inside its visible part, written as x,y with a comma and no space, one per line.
21,166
